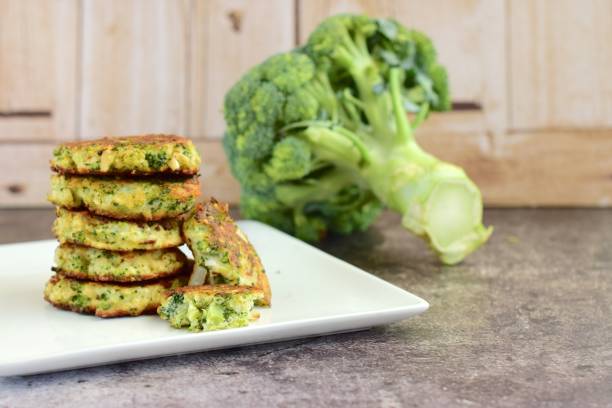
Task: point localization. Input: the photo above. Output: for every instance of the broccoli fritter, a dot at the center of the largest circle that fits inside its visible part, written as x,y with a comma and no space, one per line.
109,299
129,155
133,199
210,307
221,249
83,228
102,265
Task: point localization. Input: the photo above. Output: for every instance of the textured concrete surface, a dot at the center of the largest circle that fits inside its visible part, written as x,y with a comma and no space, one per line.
526,321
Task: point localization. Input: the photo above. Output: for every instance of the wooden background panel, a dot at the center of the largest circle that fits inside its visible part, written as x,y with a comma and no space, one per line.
24,179
558,169
541,168
25,30
228,38
468,34
550,168
38,69
560,59
134,67
217,181
84,68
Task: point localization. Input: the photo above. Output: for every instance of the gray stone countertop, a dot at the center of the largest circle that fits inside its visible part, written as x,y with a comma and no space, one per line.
525,321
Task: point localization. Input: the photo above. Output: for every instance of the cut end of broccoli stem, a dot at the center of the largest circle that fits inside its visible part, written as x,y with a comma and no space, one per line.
449,216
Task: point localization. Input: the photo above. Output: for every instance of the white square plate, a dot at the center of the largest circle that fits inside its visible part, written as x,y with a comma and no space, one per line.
313,293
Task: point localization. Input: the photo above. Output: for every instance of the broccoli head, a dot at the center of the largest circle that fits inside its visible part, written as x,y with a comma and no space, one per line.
321,138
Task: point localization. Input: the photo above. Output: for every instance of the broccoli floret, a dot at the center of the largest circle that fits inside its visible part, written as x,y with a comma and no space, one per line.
173,304
156,160
320,140
291,159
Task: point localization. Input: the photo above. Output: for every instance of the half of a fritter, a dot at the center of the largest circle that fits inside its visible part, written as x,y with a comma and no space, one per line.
130,155
134,199
210,307
222,251
108,299
101,265
83,228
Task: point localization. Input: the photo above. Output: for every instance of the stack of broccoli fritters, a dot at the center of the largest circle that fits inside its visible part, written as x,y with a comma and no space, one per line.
120,204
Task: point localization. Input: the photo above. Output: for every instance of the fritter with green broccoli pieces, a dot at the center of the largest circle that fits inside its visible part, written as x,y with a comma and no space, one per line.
128,155
109,299
210,307
83,228
82,262
148,199
222,251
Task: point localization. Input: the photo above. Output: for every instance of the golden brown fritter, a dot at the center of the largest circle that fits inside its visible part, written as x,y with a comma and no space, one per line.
222,249
149,199
210,307
128,155
109,299
101,265
83,228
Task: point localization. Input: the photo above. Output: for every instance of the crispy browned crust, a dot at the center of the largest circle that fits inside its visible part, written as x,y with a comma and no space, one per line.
147,139
190,188
212,209
165,281
106,143
215,215
167,172
214,289
102,313
264,285
110,248
118,216
117,279
106,314
166,222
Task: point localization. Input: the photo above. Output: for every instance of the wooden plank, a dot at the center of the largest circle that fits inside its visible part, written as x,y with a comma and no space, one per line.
228,38
464,122
135,65
533,169
24,180
527,169
38,69
492,35
560,63
468,34
67,69
217,180
25,30
30,129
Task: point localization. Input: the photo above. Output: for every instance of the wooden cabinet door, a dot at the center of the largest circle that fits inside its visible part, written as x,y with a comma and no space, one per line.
560,59
38,70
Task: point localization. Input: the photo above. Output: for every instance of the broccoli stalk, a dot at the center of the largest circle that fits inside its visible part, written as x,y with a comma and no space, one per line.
338,143
438,201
